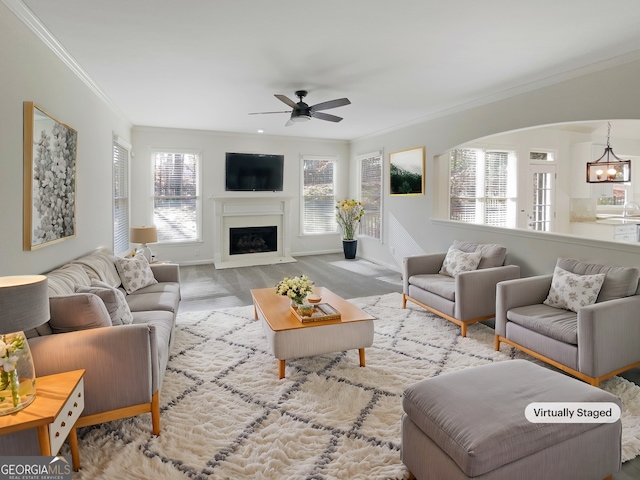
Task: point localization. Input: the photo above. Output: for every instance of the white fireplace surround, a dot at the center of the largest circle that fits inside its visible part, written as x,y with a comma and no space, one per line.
238,212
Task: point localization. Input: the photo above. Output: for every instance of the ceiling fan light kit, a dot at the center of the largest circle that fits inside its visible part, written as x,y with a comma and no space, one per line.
303,113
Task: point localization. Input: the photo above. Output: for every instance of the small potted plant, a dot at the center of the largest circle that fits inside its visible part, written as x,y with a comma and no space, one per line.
348,215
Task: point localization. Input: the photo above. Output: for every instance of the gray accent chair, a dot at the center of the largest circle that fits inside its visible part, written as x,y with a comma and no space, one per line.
596,342
466,298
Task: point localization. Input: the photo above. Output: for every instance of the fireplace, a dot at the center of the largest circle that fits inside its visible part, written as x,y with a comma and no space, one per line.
245,240
251,231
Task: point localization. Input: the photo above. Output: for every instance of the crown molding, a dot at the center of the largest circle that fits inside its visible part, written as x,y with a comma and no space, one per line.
26,16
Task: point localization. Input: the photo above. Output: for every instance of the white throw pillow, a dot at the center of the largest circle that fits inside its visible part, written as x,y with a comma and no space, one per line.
571,291
135,272
458,261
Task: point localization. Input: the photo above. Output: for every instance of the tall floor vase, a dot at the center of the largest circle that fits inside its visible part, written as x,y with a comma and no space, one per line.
349,247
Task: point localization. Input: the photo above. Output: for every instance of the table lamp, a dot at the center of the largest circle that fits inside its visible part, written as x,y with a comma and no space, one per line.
144,235
24,305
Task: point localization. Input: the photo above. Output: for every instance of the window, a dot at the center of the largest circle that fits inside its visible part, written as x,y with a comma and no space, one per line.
120,197
482,187
319,202
371,194
176,200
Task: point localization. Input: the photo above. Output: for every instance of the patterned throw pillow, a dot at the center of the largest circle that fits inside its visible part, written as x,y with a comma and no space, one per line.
113,299
458,261
571,291
135,272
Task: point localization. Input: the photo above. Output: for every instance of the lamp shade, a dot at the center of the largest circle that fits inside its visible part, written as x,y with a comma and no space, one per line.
143,234
24,303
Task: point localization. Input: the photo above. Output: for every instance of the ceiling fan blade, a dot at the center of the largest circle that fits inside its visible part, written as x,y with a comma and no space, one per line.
338,102
286,100
264,113
326,116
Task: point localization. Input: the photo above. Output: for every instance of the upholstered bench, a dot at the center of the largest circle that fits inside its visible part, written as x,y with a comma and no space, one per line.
471,424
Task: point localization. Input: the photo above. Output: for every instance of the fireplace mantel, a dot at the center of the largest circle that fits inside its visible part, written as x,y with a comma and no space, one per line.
230,212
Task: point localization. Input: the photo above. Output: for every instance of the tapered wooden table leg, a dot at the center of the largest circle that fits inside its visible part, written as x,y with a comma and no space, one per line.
281,365
73,446
362,361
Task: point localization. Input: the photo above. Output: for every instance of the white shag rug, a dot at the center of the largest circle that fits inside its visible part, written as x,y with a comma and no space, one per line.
225,414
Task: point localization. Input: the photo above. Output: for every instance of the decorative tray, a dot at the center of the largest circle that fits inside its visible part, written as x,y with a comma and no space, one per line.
321,312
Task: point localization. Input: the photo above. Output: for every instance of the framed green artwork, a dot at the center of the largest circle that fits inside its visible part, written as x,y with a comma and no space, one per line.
406,172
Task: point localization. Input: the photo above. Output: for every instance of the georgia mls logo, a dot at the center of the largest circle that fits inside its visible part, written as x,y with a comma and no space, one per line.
35,468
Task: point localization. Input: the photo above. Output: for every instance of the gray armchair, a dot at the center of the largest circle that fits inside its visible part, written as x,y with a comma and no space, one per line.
593,343
464,298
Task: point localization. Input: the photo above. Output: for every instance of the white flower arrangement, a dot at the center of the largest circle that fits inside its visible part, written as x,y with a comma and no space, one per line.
9,350
296,288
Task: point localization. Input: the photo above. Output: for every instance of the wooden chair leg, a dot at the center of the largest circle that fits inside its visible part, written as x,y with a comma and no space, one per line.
463,328
404,301
497,343
155,413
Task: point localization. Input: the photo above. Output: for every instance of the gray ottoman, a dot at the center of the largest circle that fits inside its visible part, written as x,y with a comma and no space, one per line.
471,424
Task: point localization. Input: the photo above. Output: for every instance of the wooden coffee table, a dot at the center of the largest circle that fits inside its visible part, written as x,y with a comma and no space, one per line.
289,338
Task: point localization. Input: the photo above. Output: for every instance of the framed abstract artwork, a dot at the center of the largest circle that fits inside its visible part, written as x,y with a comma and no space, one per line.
49,179
406,172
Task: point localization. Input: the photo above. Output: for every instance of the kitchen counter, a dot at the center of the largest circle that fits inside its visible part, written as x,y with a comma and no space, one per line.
616,228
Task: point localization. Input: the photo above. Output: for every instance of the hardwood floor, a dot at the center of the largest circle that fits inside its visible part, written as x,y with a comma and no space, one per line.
205,288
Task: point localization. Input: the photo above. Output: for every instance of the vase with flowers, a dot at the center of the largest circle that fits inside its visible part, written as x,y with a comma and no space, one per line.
17,375
348,215
295,288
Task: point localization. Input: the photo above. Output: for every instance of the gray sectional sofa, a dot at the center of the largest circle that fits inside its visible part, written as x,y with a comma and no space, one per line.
124,349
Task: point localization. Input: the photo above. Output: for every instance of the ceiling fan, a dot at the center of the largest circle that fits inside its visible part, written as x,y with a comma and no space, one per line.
302,112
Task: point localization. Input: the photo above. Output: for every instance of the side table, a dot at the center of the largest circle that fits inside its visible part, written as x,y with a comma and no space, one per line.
58,404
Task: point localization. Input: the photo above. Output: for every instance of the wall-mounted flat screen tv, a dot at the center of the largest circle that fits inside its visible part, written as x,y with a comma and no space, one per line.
253,172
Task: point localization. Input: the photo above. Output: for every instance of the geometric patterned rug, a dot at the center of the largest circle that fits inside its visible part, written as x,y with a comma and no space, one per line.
226,415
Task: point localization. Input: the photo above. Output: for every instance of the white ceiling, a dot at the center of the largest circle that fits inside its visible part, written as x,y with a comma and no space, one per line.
206,64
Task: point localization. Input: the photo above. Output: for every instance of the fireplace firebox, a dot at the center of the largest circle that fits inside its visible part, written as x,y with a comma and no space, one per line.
246,240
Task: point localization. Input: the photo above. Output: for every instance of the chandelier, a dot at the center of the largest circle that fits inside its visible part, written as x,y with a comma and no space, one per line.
607,169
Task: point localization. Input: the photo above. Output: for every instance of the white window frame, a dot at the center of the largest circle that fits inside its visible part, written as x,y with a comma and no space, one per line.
360,161
122,203
198,196
332,224
480,197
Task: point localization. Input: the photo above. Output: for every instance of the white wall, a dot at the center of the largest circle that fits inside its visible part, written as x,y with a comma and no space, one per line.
607,94
213,146
30,71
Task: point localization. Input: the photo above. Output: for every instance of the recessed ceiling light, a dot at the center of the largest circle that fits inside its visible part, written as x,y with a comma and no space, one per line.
260,130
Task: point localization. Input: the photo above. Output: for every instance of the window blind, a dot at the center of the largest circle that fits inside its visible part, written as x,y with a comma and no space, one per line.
319,203
463,183
176,204
480,189
120,199
371,194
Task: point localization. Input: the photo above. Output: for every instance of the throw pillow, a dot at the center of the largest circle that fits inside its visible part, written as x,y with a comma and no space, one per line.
571,291
113,299
458,261
135,272
77,311
492,255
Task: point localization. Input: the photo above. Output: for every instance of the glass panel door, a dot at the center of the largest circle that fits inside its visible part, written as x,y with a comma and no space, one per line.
542,195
